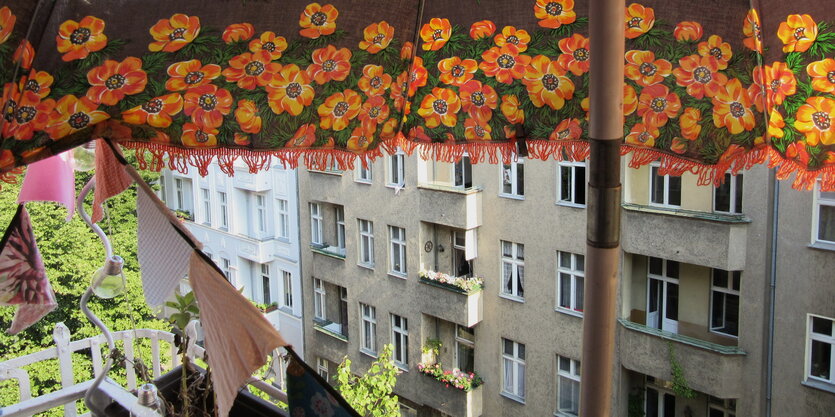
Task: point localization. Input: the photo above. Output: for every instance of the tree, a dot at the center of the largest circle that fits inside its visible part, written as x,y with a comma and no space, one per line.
372,394
71,253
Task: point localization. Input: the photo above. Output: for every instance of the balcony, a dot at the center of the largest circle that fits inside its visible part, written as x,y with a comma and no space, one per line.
450,206
450,302
260,251
448,400
708,367
252,182
714,240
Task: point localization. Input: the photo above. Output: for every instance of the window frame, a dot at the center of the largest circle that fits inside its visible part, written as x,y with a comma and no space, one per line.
320,300
732,277
517,264
396,170
736,185
260,205
517,362
366,237
811,336
573,274
322,368
226,267
572,167
459,340
339,214
572,375
401,331
509,175
725,406
283,219
818,202
317,235
654,167
364,173
287,289
466,166
223,204
398,242
266,292
368,333
206,195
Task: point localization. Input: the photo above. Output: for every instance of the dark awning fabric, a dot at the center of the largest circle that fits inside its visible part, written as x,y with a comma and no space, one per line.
710,85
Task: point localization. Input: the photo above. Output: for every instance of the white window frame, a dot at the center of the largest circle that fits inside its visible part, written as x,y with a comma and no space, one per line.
734,183
287,289
396,170
459,250
400,334
364,175
319,300
207,206
509,175
322,368
462,164
727,290
570,169
260,203
397,243
514,361
665,198
516,261
569,376
224,210
576,275
819,201
180,193
340,228
283,219
366,252
670,325
821,338
316,232
265,273
459,340
162,190
368,334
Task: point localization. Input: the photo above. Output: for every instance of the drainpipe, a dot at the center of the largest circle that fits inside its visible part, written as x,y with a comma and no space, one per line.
772,273
603,222
299,255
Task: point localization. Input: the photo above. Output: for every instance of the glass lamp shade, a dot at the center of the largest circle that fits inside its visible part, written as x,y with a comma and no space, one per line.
109,280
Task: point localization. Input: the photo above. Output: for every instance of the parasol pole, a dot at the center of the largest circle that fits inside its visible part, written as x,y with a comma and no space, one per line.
606,37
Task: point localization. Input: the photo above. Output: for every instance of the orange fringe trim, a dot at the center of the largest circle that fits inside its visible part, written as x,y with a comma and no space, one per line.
708,174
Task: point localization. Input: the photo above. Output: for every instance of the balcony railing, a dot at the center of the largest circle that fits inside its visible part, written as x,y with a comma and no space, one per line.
70,391
455,378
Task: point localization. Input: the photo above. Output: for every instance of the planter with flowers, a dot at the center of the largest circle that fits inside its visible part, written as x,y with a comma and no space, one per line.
455,378
463,285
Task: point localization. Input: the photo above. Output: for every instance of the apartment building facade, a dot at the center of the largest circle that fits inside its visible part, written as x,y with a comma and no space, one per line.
694,297
248,224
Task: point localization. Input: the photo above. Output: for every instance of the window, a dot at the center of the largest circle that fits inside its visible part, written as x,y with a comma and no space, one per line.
513,269
465,348
396,170
366,243
283,219
664,190
316,224
368,342
364,173
724,302
343,311
820,344
570,281
261,213
662,295
226,267
207,206
400,340
322,368
397,250
463,173
659,403
162,195
571,184
727,198
265,284
513,369
182,191
224,212
461,266
287,282
340,228
513,179
568,387
319,299
718,407
823,223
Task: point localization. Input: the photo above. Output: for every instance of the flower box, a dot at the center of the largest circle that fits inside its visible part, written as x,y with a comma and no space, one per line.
463,285
464,381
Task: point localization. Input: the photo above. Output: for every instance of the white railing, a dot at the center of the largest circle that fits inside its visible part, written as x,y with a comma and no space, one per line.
72,391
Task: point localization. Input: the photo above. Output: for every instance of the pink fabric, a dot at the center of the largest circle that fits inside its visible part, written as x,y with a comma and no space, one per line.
111,178
50,179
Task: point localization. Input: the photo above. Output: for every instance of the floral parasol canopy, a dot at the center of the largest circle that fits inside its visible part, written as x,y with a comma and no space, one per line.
709,87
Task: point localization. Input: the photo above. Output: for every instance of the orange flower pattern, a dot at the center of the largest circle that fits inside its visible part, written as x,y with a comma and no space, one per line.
753,31
716,48
575,54
639,20
688,31
378,36
195,136
435,34
171,35
505,63
798,33
190,74
689,121
250,70
38,82
511,35
478,100
329,64
247,116
156,112
700,75
512,110
207,105
30,116
339,109
482,29
76,40
112,81
547,84
554,13
440,107
269,42
7,21
732,108
475,130
779,82
317,20
374,80
24,54
823,75
568,129
644,69
656,105
457,71
815,120
290,91
238,32
72,114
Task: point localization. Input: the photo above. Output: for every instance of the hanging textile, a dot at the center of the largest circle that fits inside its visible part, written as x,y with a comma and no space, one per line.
50,179
308,394
709,86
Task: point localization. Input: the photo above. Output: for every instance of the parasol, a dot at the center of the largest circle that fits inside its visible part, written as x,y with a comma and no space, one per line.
706,88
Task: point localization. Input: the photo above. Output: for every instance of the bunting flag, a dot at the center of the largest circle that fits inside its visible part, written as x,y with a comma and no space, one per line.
50,179
111,178
238,337
23,279
308,394
163,253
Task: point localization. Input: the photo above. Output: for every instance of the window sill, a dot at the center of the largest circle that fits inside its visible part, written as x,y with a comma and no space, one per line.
728,335
561,414
512,196
397,275
330,251
572,205
569,312
823,245
450,188
287,310
515,298
283,239
368,353
513,397
362,182
366,266
820,385
333,173
402,367
396,187
679,212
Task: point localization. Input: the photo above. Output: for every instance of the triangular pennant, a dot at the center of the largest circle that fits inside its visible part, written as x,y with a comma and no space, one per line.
50,179
163,254
310,395
23,280
238,337
111,178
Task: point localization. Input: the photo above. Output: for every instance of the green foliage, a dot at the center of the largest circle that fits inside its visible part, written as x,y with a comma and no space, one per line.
371,394
680,386
432,345
71,253
186,310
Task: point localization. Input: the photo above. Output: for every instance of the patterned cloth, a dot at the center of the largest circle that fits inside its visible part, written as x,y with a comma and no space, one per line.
707,88
309,395
111,178
23,280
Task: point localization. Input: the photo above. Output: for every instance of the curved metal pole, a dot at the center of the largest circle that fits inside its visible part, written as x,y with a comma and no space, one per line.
108,248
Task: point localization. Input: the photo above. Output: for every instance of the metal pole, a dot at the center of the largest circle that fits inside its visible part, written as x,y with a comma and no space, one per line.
606,27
